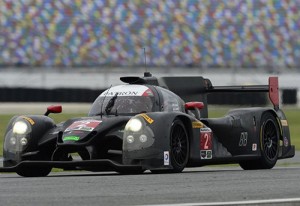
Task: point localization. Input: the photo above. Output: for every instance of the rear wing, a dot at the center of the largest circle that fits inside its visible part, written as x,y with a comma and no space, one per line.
272,88
196,88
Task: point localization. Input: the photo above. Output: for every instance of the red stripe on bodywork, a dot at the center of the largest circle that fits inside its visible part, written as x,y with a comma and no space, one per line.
147,93
273,91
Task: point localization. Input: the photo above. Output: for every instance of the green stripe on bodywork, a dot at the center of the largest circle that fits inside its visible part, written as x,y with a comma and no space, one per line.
71,138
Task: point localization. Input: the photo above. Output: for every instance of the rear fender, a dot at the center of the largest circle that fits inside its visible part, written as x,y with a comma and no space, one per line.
286,149
242,130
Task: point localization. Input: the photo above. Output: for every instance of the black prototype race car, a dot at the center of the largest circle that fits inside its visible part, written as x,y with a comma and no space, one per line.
143,125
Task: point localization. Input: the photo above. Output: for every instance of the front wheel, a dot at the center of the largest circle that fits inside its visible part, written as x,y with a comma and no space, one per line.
34,171
179,145
269,144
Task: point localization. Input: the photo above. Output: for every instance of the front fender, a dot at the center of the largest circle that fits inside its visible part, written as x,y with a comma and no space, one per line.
25,140
156,127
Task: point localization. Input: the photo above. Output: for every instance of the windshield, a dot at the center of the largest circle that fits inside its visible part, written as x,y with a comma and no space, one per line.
123,100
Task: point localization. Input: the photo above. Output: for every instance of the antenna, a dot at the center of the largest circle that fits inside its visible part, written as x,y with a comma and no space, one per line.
146,73
145,58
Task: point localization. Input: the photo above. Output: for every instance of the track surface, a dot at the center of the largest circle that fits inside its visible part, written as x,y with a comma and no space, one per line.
206,184
199,185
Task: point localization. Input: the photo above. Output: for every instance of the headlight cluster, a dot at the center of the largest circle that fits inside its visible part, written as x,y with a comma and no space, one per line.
20,130
137,134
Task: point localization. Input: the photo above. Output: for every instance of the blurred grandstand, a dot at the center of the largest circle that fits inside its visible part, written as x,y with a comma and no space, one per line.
177,33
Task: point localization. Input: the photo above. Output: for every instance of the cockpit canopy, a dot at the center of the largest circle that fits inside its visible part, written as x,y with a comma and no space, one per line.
124,100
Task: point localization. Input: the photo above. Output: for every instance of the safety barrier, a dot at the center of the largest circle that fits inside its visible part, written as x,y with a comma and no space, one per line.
289,96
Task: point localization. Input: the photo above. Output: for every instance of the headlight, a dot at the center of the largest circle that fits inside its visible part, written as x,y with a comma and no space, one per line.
23,141
12,140
130,139
143,138
134,125
20,127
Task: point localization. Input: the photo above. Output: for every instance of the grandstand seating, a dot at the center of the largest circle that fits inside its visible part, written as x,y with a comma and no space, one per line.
200,33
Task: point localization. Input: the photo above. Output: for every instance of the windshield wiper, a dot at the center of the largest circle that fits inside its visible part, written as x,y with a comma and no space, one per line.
111,104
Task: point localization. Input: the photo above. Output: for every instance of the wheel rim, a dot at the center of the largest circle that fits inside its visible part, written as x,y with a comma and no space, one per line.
270,140
179,145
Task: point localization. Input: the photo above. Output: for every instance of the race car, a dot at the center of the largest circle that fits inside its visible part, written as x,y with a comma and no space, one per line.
149,123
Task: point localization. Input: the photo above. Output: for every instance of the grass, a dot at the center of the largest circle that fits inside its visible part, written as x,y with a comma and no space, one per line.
293,116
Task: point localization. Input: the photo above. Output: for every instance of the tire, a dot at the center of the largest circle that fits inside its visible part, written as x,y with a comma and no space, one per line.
179,145
269,144
34,171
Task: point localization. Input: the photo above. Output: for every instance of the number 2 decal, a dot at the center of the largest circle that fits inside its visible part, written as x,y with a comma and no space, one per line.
206,141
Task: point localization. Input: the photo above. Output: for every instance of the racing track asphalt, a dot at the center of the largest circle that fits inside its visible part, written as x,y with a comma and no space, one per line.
197,185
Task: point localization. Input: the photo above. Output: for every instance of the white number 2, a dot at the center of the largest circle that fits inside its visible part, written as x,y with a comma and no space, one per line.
206,138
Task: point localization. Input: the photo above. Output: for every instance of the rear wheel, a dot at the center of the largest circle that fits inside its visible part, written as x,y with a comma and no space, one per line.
179,144
269,144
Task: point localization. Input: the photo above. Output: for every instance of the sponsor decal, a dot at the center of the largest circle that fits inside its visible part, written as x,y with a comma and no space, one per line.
285,141
206,143
243,139
147,118
128,90
71,138
125,93
205,129
254,147
175,106
197,125
83,125
206,154
29,120
166,158
284,122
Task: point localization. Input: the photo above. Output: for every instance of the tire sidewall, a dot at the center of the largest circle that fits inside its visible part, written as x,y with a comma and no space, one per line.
178,167
265,160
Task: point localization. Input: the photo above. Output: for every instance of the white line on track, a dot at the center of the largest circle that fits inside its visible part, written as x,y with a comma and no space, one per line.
247,202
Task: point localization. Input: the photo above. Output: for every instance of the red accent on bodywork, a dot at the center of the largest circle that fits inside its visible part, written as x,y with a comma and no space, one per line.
54,109
193,105
147,93
84,125
273,91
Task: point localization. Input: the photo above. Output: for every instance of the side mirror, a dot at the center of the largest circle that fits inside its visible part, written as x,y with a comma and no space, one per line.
194,105
53,109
